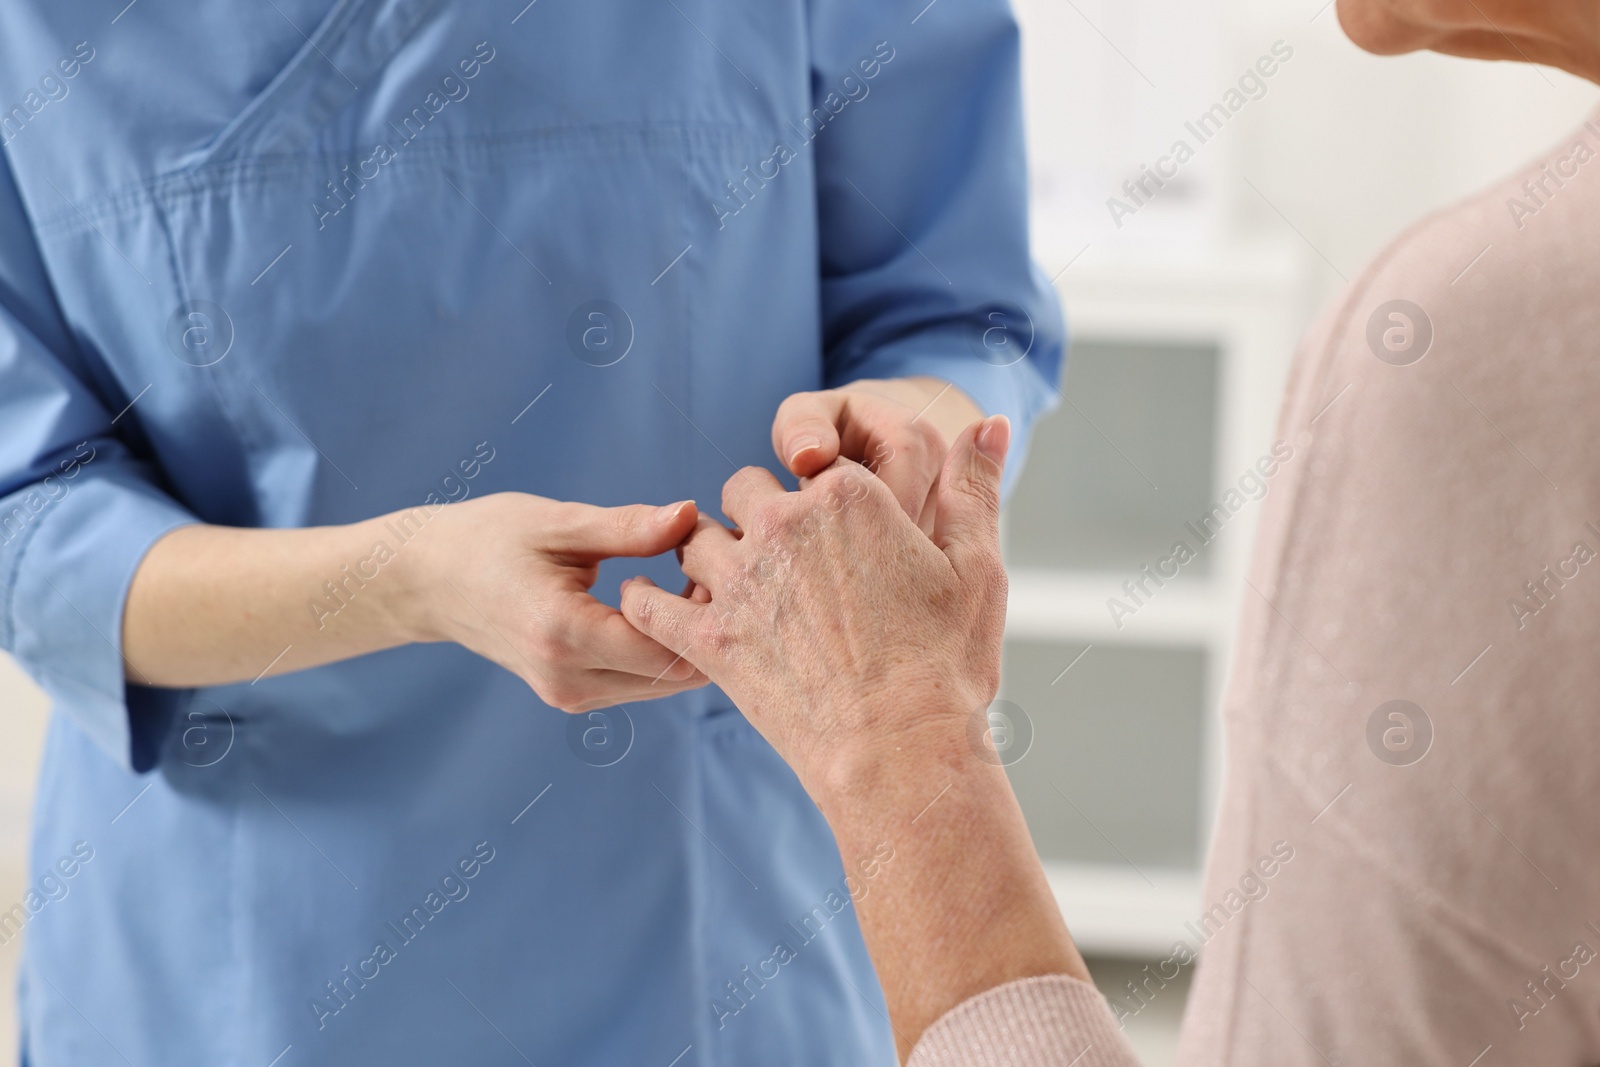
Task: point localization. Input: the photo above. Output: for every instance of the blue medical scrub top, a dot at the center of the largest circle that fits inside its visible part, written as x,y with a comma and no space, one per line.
309,261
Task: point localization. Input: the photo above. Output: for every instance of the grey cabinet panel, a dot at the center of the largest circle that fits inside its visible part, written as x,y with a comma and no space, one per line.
1114,772
1109,482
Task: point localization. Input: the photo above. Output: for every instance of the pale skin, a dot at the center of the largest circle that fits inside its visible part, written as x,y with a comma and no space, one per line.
506,576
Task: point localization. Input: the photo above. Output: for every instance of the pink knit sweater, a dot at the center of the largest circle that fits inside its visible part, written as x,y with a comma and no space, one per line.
1037,1022
1415,708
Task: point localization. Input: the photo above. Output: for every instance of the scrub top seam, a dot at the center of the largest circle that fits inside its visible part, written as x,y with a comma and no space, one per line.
175,185
250,442
701,930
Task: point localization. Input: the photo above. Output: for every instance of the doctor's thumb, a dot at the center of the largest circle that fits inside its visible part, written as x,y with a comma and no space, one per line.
968,518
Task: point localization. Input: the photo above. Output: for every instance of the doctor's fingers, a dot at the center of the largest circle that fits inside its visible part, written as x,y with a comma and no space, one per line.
581,689
610,688
601,639
907,458
805,432
709,557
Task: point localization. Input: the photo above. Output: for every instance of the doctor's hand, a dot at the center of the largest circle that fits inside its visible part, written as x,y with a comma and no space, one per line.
841,631
899,428
508,576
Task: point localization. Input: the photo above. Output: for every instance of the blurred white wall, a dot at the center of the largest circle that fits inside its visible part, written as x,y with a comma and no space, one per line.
1349,147
23,711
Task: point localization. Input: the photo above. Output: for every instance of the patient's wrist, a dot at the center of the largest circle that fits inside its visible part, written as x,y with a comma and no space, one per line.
949,891
869,780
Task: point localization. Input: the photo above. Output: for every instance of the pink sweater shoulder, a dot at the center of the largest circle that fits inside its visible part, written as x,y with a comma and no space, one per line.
1053,1021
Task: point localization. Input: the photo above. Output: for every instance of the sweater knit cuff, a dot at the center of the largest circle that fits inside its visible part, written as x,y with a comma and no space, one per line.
1050,1021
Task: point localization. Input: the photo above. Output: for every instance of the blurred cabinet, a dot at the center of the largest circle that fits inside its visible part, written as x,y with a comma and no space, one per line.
1171,393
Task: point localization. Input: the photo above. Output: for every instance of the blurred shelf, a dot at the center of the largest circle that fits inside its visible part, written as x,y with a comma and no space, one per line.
1118,911
1253,267
1072,604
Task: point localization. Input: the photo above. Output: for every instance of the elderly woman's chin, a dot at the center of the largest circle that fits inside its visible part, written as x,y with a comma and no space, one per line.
1557,33
1375,26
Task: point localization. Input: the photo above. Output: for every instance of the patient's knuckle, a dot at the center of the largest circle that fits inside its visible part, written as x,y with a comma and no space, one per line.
833,479
717,634
767,567
744,475
841,487
655,619
814,517
641,607
873,501
771,521
996,581
833,498
738,484
983,581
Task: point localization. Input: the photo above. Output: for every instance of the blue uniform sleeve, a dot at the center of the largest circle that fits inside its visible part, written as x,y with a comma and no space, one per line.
78,511
922,204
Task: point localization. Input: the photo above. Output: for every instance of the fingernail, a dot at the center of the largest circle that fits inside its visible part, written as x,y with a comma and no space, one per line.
994,437
671,511
804,445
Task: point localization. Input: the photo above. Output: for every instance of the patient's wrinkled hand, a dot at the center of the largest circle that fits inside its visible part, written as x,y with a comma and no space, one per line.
838,627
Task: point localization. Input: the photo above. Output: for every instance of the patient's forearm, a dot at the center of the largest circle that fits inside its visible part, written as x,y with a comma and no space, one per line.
962,904
212,605
866,649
